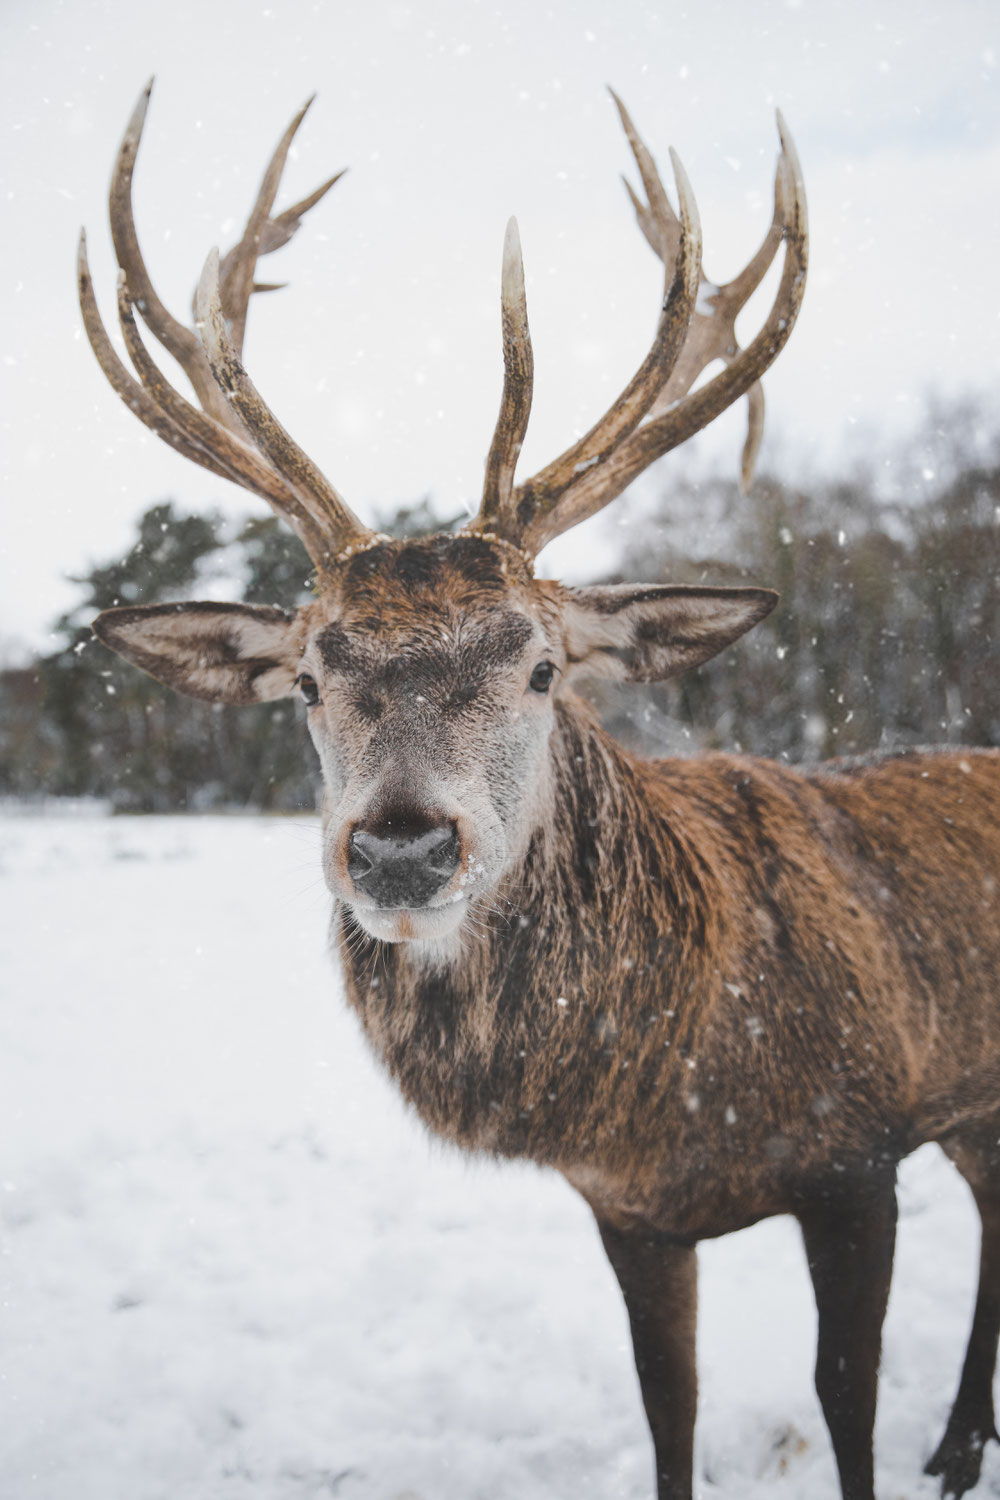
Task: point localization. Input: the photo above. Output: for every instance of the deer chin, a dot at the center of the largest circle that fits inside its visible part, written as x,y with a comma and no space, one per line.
419,925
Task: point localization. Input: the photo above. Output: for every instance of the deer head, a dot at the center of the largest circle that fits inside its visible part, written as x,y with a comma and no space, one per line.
434,670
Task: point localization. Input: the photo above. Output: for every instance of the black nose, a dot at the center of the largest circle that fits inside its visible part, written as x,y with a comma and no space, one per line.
402,863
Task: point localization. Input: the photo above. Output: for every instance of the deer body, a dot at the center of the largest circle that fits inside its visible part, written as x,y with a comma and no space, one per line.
705,991
694,1013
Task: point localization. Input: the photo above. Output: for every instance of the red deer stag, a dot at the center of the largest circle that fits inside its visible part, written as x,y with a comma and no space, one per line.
706,990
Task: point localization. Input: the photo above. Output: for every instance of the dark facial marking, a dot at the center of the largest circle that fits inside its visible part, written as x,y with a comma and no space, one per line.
428,618
336,649
417,565
477,561
425,563
476,646
369,704
461,695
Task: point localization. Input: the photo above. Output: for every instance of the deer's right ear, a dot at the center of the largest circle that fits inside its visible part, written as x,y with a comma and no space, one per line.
648,632
222,653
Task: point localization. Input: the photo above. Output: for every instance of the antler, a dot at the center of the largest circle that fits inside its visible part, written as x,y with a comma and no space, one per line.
657,410
234,433
519,371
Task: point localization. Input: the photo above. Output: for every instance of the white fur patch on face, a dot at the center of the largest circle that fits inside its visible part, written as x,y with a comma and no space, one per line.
429,934
436,953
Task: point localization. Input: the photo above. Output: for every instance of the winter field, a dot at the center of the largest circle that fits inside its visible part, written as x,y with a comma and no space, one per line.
233,1266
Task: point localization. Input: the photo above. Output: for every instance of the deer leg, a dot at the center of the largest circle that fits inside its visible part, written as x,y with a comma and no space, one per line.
959,1456
659,1281
849,1239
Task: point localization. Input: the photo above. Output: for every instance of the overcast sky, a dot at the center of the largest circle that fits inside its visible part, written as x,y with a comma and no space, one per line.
383,356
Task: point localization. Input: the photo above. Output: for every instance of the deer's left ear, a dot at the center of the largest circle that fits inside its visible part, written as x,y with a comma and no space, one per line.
221,653
644,634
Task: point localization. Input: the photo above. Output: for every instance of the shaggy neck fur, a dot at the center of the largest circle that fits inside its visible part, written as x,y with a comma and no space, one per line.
516,1045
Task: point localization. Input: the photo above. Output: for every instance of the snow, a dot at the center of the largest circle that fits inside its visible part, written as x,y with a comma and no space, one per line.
231,1265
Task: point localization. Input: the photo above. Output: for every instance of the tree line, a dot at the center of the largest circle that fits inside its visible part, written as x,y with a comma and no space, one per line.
886,635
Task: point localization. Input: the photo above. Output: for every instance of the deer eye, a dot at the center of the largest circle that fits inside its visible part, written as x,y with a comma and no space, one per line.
308,689
541,678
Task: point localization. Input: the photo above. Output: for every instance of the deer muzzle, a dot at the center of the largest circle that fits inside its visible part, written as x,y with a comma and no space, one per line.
403,865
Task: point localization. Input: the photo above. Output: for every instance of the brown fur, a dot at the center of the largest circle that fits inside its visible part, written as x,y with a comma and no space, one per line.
712,980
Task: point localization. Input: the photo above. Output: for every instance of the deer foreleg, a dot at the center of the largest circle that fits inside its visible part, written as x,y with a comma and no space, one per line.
849,1239
659,1281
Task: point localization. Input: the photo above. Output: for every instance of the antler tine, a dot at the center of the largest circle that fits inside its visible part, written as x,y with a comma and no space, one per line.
650,228
225,452
182,426
337,522
263,234
285,224
713,329
756,410
537,496
175,337
698,408
519,366
279,230
660,224
122,381
234,435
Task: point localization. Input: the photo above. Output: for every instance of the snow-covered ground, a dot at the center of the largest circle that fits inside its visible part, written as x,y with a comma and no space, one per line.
232,1266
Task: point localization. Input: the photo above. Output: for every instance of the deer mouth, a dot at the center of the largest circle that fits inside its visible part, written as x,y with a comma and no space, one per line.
409,924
